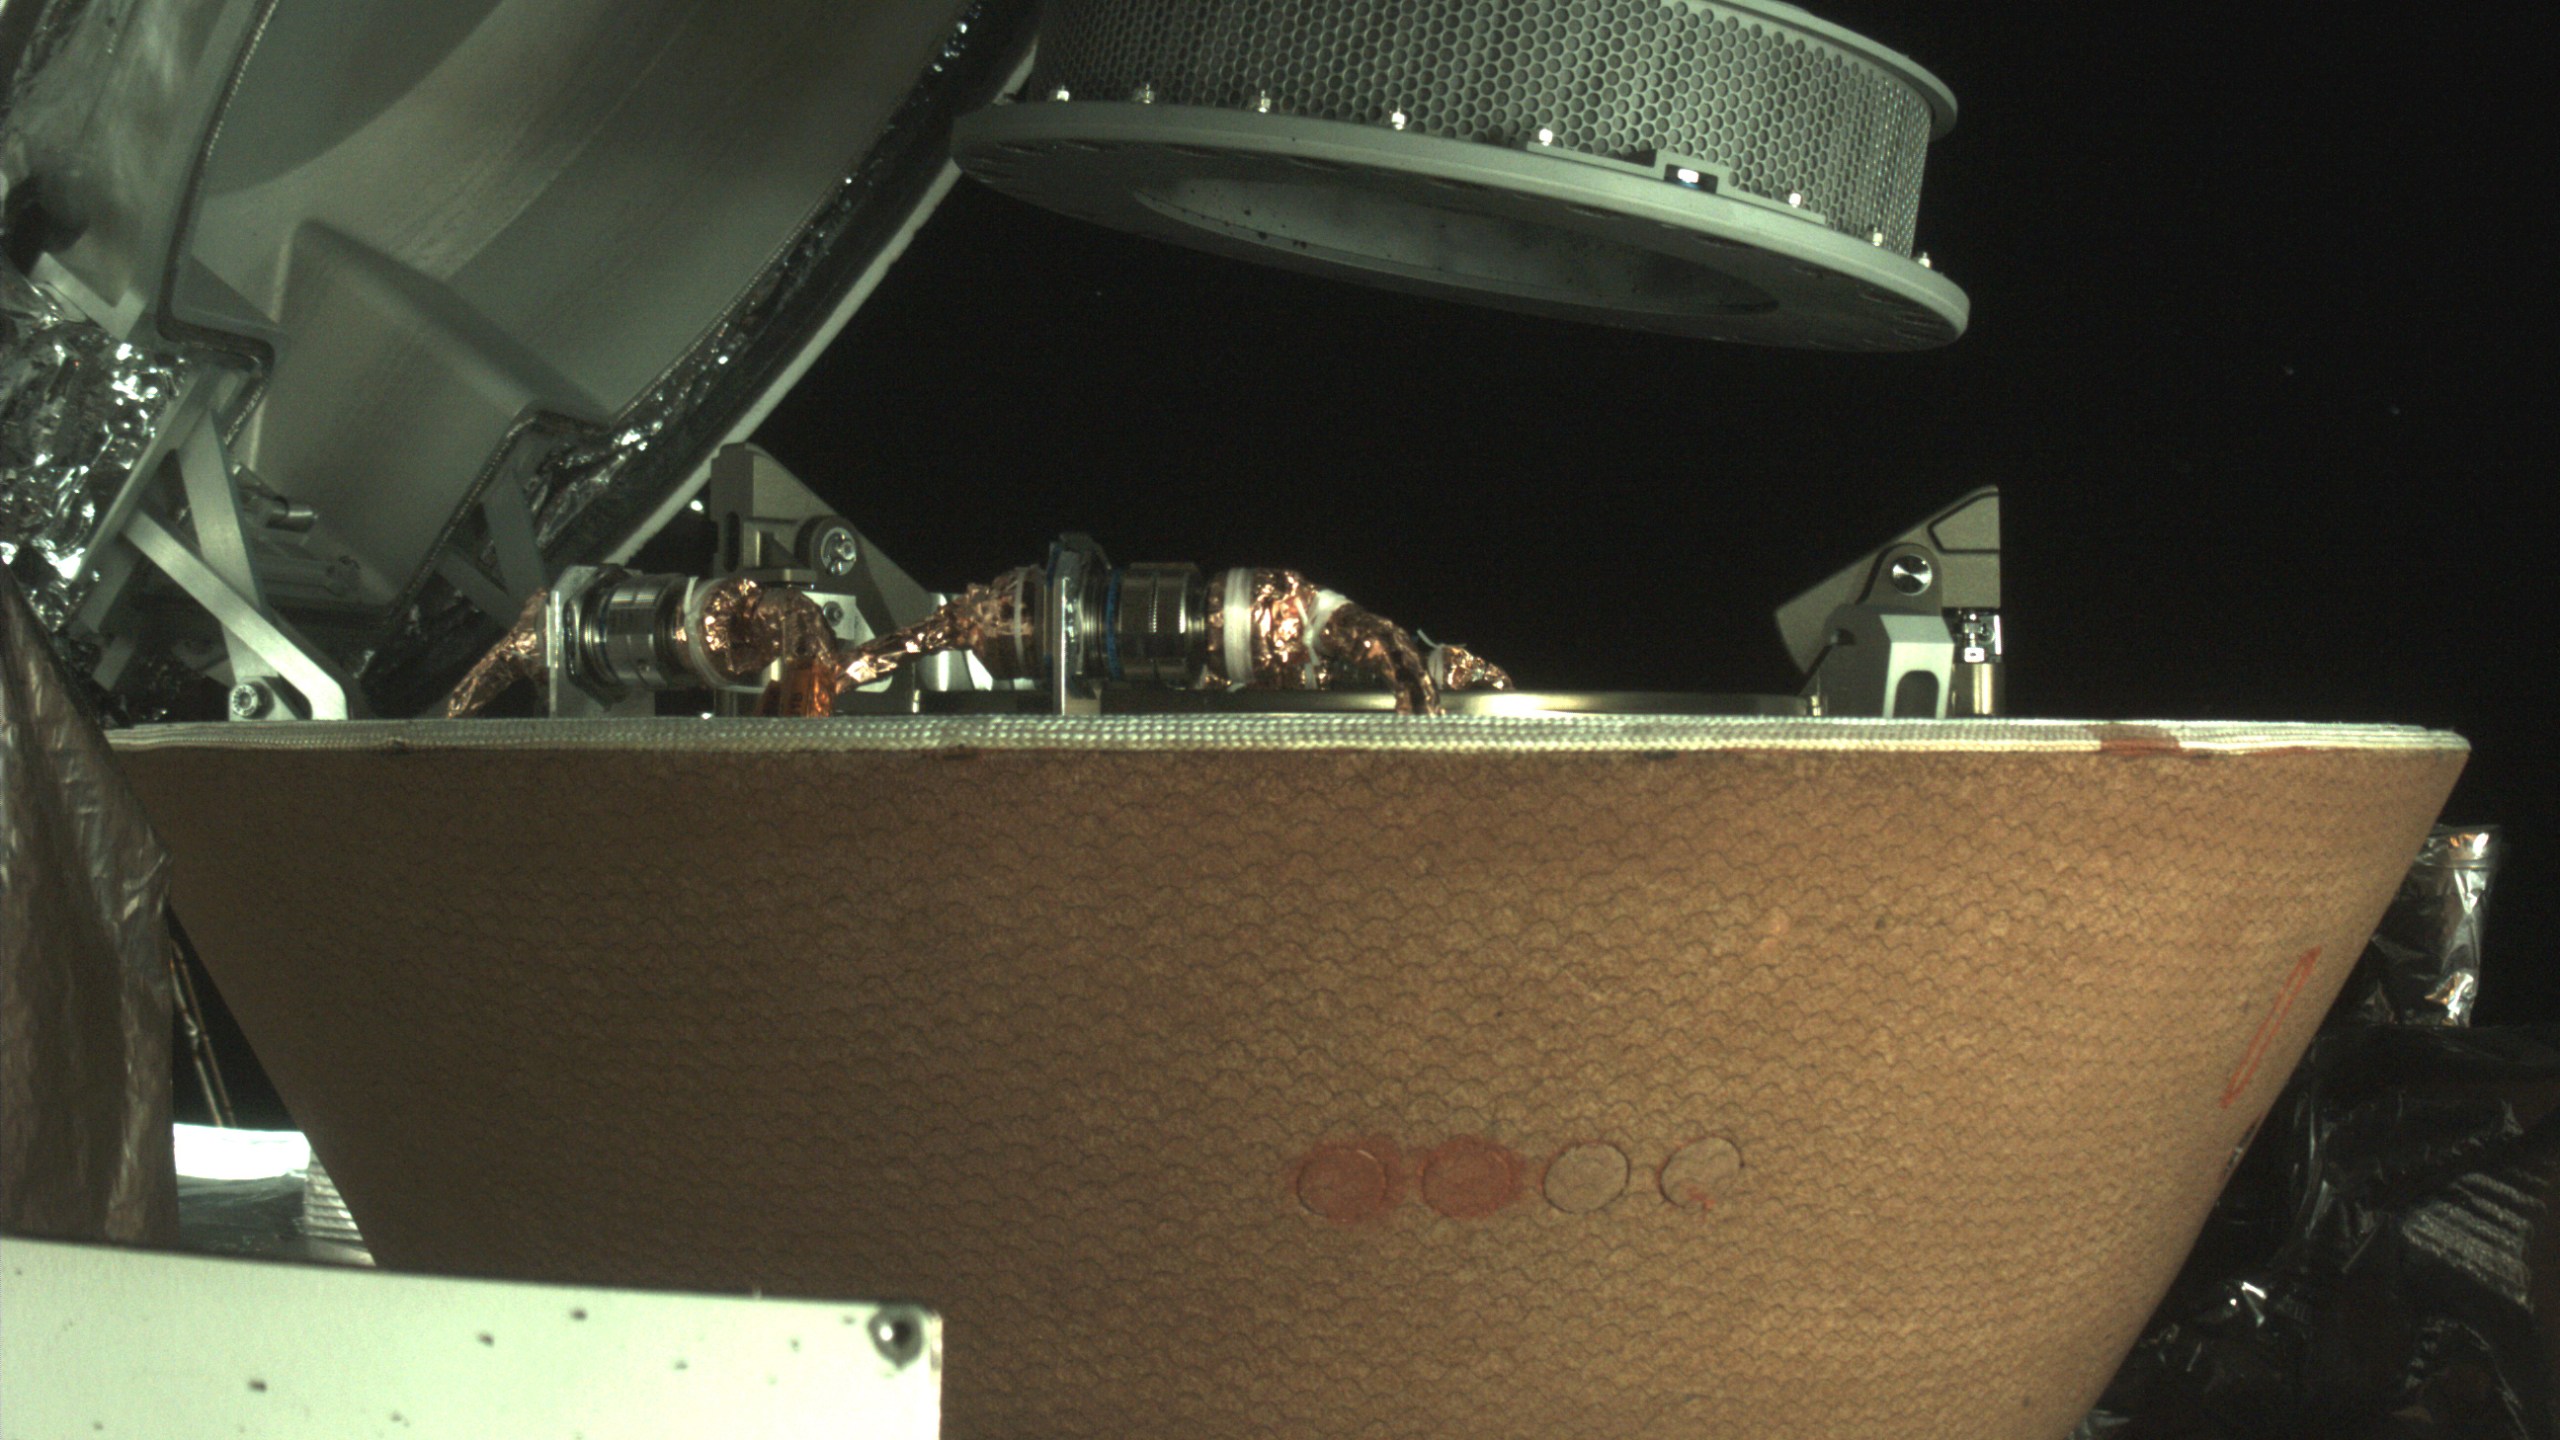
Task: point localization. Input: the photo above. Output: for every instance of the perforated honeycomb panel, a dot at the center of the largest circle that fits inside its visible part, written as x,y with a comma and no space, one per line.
1767,91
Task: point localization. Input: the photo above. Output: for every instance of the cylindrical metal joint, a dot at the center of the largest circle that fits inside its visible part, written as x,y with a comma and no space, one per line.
1019,651
1159,624
644,632
623,625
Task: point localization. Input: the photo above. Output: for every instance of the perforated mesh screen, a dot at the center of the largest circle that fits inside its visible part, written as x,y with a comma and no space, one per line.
1785,111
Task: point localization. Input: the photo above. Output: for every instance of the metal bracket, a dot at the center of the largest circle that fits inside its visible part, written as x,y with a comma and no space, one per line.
1912,630
263,647
773,527
275,673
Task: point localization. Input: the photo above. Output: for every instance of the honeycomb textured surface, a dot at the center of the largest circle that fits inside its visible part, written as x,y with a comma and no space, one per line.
1767,1092
1786,110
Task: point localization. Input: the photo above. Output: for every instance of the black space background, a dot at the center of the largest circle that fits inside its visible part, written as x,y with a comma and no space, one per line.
2261,359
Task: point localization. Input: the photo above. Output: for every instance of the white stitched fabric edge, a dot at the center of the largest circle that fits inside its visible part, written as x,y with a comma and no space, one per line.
1459,733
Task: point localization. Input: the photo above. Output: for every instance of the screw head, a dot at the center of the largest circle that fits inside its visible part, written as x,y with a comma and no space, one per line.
834,612
1546,136
1146,94
898,1334
250,699
1262,103
1796,198
837,552
1059,94
1396,119
1912,574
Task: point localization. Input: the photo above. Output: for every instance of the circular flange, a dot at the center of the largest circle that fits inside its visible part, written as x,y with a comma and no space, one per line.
1538,230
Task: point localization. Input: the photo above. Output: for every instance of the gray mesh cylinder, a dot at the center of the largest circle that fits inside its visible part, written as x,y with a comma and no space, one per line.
1794,107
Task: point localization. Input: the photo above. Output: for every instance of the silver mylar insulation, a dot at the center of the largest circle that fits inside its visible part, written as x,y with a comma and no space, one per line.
1736,171
456,283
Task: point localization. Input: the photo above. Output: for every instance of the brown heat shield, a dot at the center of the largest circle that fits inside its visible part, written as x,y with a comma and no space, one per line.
1464,1077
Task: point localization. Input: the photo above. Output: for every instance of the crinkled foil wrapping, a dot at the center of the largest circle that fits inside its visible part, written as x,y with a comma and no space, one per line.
993,622
77,408
1283,651
747,626
518,655
1366,643
1291,641
1458,668
84,973
2422,966
589,489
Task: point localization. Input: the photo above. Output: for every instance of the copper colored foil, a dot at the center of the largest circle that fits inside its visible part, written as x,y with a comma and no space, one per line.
806,687
1283,653
992,622
517,656
1364,642
1458,668
748,625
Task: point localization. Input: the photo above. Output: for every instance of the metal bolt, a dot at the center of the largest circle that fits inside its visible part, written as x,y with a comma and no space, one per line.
834,612
1059,94
1923,258
1796,198
1686,176
250,699
1262,103
1875,237
1146,93
1396,119
837,552
898,1334
1911,574
1546,136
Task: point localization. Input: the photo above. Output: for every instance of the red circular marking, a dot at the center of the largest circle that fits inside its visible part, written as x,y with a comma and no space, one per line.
1470,1177
1348,1181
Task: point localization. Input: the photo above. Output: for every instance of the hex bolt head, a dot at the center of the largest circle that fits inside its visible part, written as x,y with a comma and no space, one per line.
250,700
1912,574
